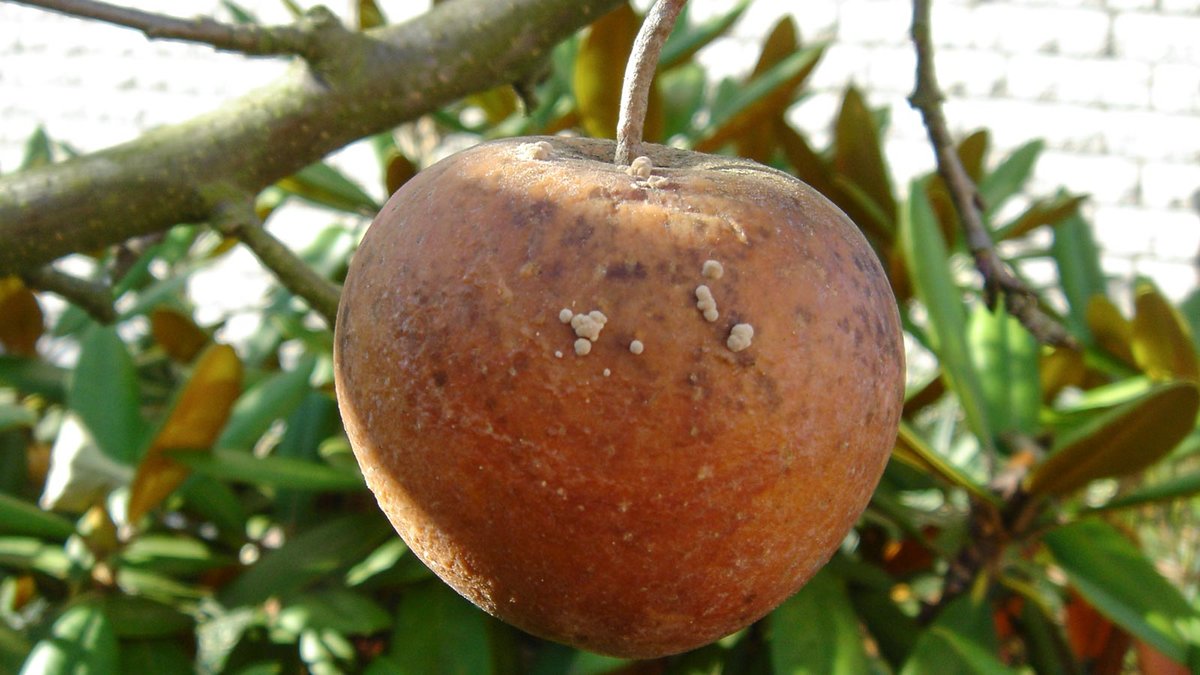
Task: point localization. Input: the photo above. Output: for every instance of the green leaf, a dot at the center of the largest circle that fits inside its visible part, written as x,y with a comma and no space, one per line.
214,501
323,185
34,376
27,553
284,472
687,38
1123,440
334,609
1160,339
858,153
915,452
437,631
816,631
927,260
81,642
138,617
1042,212
1171,489
1113,575
962,640
104,393
313,554
14,648
381,560
163,655
683,95
272,398
19,517
175,555
1009,177
38,151
1007,359
240,14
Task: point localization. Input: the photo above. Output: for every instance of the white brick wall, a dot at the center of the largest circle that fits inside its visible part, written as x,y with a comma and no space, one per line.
1113,86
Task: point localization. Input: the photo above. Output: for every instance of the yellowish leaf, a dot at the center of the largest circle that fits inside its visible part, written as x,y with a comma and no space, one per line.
600,70
1113,332
1061,368
200,412
22,322
369,15
972,151
497,103
756,140
399,170
177,334
1160,339
1121,441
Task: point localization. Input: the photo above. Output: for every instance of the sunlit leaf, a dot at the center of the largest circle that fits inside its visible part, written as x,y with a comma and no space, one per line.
1006,357
1009,177
858,153
1124,440
913,451
80,473
927,259
110,412
200,412
744,105
1170,489
382,559
600,70
1050,211
38,151
369,15
687,39
1116,578
23,322
176,555
29,553
497,103
816,631
1160,339
283,472
1061,368
81,641
323,185
1111,331
19,517
177,334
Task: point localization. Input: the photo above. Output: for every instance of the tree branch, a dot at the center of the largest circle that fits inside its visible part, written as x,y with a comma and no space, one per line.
245,39
365,83
94,298
236,218
1020,300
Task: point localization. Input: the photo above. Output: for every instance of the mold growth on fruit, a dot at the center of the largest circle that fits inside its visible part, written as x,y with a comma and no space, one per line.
640,168
636,347
541,150
712,269
565,315
739,337
706,303
583,347
588,325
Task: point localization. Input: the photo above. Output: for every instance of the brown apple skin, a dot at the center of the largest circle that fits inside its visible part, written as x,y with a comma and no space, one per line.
680,496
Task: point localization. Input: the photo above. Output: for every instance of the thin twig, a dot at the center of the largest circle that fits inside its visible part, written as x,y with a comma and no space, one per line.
639,74
237,219
1020,300
243,39
94,298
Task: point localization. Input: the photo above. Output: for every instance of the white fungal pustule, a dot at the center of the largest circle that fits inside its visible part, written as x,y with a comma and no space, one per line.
712,269
583,347
589,325
636,347
706,303
538,150
740,337
565,315
607,372
640,168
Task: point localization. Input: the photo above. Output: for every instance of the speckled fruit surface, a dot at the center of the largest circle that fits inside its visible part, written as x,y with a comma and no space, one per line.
629,504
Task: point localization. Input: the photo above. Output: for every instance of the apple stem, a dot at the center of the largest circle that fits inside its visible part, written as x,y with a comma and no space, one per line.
639,73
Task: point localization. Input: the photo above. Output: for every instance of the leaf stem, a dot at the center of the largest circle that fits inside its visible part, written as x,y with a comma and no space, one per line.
639,74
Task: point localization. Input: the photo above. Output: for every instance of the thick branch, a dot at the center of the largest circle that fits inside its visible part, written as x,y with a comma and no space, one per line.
1020,300
365,84
245,39
237,218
